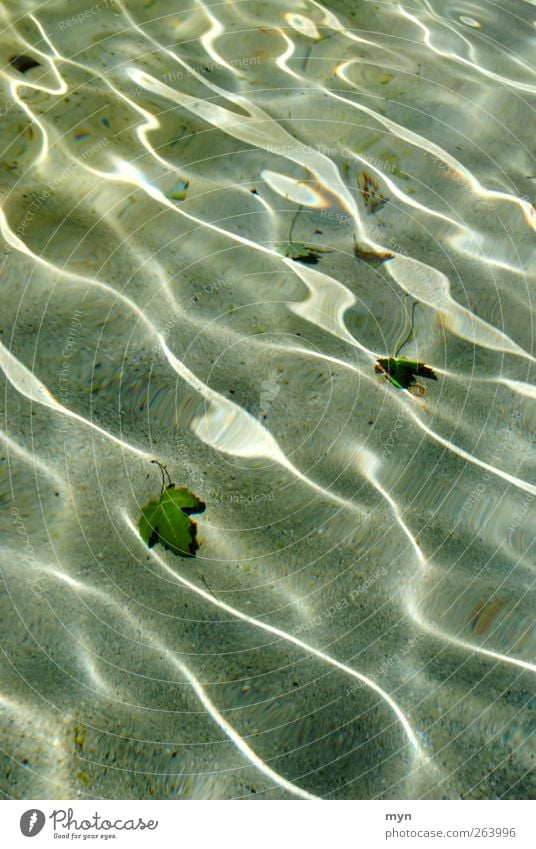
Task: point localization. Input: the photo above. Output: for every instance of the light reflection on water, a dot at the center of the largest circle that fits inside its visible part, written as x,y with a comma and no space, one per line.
358,620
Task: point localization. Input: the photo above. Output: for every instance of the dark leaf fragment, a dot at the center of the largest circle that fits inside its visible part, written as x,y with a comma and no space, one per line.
372,256
402,372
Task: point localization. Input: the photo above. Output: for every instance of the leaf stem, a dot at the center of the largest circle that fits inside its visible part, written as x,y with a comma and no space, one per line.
293,223
401,345
162,470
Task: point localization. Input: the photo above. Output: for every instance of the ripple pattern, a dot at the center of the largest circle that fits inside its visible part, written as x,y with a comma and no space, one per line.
359,619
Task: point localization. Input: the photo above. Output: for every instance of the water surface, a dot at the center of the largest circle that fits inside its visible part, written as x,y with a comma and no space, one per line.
358,621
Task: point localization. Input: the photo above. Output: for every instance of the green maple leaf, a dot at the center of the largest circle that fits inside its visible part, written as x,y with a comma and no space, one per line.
167,521
402,372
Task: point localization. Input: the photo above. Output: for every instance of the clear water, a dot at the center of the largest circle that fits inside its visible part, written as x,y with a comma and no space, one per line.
358,620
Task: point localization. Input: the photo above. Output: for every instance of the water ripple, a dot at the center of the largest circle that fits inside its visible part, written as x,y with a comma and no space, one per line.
358,621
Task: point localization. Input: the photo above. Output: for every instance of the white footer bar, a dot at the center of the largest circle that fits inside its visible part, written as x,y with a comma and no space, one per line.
270,825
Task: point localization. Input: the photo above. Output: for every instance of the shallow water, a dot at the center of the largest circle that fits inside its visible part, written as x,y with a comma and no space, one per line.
358,620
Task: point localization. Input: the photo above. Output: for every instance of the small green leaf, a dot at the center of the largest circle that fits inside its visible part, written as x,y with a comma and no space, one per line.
167,521
180,191
300,252
402,372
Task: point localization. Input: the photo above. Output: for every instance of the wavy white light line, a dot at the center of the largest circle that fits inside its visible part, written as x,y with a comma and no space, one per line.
32,459
455,57
271,629
471,647
32,388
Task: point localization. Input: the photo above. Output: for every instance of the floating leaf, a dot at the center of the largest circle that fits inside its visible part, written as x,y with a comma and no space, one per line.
402,372
300,252
372,256
167,521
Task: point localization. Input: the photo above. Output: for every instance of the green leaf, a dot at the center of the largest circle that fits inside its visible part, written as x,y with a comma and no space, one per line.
167,521
402,372
300,252
180,191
